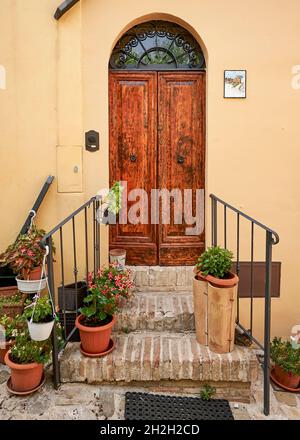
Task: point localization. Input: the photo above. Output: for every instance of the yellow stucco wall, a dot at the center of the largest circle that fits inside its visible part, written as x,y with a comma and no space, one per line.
57,88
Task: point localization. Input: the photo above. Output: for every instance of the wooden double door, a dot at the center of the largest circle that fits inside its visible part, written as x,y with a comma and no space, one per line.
157,141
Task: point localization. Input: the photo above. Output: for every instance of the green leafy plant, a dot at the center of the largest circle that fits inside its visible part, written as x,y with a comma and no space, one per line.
10,300
43,309
114,198
207,392
26,351
285,356
107,288
215,261
25,253
10,326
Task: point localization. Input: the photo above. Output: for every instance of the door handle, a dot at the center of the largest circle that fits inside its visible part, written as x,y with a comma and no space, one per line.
180,159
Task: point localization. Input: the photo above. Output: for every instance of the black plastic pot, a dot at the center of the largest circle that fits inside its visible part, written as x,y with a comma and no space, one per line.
7,277
67,296
70,325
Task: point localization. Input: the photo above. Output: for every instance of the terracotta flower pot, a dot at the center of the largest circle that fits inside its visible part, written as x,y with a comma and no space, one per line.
94,340
289,380
35,274
24,377
3,351
215,311
231,281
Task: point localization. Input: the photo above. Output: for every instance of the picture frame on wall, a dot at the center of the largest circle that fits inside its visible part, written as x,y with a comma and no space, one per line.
235,84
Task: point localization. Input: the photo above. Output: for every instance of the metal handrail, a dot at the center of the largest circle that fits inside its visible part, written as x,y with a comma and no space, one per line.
67,219
271,239
251,219
47,241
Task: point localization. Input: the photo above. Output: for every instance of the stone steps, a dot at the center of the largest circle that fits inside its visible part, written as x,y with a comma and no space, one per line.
158,311
158,278
162,360
156,346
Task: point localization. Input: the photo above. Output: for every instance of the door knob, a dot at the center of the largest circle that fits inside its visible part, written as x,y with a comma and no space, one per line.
180,159
133,158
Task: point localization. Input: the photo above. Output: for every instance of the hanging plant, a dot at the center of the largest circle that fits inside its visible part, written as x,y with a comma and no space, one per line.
25,255
111,202
40,317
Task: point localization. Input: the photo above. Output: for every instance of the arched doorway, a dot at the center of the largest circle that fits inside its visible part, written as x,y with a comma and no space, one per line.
157,137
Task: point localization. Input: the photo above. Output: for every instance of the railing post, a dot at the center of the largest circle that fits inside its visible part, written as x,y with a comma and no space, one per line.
55,361
97,225
269,243
214,222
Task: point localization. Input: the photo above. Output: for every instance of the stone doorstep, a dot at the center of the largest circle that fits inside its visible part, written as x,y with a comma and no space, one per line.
151,358
169,278
157,311
232,391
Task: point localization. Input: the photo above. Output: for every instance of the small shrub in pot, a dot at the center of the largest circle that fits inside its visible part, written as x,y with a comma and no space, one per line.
25,359
214,265
9,326
108,288
286,360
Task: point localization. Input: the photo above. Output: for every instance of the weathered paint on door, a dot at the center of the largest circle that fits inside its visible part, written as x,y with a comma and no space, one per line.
157,140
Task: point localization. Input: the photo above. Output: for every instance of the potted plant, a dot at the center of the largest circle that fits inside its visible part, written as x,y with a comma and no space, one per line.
40,317
110,203
12,305
25,258
107,289
214,266
9,326
25,359
215,296
286,361
118,256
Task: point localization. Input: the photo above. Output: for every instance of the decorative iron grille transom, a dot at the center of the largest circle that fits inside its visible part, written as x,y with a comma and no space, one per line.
157,45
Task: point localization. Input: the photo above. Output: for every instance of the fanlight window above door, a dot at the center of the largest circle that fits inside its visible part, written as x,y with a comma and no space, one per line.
157,45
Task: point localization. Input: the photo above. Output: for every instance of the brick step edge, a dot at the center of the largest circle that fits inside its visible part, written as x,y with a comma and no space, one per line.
154,357
157,312
168,278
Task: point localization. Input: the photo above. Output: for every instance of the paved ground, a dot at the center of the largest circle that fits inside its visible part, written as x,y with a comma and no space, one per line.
81,401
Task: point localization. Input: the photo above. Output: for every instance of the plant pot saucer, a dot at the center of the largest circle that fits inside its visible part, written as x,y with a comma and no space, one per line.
111,347
24,393
291,390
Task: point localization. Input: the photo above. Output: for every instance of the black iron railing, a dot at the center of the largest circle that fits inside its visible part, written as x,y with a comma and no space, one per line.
88,256
220,227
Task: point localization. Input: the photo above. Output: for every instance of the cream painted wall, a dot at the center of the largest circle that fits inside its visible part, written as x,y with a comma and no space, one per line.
57,88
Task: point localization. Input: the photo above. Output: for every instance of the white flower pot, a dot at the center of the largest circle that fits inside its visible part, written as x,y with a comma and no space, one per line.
40,331
118,256
100,213
29,286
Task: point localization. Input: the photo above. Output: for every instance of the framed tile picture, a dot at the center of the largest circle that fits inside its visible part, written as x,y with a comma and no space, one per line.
235,83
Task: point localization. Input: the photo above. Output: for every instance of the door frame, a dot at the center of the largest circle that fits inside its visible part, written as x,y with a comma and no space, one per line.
203,164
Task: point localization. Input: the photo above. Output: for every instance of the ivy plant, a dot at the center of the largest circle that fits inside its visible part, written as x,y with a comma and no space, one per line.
113,199
215,261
